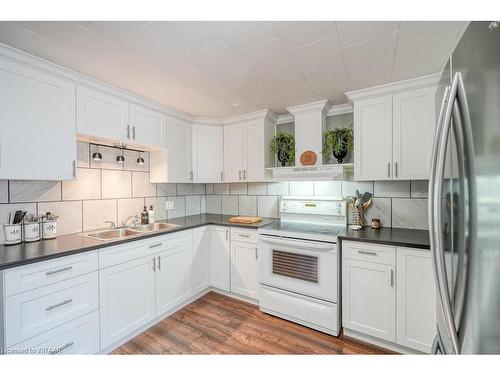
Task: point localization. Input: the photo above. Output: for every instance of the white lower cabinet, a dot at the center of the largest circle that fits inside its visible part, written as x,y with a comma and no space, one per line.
388,292
220,258
416,299
200,270
127,298
244,266
173,272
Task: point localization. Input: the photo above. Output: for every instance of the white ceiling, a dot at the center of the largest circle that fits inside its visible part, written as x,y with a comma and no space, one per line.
221,69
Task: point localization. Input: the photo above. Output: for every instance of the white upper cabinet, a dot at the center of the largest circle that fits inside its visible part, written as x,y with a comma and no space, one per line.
148,128
414,124
178,155
208,149
37,124
233,153
247,148
394,129
373,138
101,115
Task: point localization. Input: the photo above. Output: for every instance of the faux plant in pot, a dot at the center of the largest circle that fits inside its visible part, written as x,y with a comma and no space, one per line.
338,142
283,146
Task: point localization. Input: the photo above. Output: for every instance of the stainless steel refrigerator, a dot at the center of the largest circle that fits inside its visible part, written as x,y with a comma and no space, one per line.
464,196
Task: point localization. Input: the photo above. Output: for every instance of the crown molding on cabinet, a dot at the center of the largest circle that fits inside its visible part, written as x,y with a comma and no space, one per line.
334,110
49,67
258,115
394,87
321,106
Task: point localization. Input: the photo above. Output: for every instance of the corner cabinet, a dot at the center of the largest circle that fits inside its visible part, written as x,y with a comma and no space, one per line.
220,258
393,134
37,124
208,154
200,271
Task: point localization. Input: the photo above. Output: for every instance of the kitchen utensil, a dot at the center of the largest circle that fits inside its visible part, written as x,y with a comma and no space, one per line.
366,196
367,204
245,219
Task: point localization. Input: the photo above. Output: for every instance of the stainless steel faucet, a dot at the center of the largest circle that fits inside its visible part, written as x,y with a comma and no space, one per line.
135,220
111,223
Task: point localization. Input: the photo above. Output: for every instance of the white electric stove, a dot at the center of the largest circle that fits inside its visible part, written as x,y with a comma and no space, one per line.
299,262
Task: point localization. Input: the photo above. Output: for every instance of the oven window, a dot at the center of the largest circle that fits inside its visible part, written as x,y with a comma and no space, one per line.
297,266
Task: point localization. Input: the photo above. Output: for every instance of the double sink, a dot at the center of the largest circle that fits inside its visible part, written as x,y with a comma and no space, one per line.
124,232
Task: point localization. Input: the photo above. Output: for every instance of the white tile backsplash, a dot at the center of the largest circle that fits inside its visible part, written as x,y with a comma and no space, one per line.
116,184
267,206
257,188
4,191
166,190
199,189
141,187
185,189
95,213
179,207
129,207
214,204
193,205
349,187
247,205
391,189
70,215
229,205
328,188
34,191
302,188
419,188
159,207
221,188
87,185
278,188
238,188
409,213
380,209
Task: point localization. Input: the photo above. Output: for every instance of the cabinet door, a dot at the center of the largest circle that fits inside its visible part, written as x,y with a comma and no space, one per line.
178,160
254,153
413,133
244,269
373,139
416,299
233,153
368,298
149,128
101,115
172,278
37,125
220,258
127,298
208,151
200,272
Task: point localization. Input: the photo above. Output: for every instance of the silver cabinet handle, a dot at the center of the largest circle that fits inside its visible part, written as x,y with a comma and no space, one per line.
436,235
222,176
155,245
191,175
389,170
52,307
159,263
256,253
133,132
67,268
396,168
240,173
64,347
244,174
154,264
227,235
244,235
392,278
128,131
74,168
364,252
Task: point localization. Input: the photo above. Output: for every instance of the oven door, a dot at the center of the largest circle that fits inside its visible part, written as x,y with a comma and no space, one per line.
300,266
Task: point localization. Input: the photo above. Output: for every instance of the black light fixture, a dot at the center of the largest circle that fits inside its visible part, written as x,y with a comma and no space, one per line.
120,158
97,155
140,160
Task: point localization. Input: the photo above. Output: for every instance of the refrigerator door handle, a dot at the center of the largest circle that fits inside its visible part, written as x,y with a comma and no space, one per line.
437,240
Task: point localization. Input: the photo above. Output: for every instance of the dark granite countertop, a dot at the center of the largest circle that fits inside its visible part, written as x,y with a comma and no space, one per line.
389,236
32,252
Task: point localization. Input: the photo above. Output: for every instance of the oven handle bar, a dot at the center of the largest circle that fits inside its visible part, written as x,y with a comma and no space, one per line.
310,245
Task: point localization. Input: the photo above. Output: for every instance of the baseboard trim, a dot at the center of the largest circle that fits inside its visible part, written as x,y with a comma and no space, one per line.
379,342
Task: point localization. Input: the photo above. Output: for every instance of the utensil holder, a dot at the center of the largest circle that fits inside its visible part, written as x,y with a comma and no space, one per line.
13,233
358,216
49,229
31,232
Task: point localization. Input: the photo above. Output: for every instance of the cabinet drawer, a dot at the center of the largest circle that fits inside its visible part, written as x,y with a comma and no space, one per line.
372,253
79,336
31,313
323,316
25,278
244,235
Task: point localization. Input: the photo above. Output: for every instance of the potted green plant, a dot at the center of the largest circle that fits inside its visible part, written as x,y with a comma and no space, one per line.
338,142
283,146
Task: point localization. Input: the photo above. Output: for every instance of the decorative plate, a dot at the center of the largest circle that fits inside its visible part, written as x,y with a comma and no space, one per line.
308,158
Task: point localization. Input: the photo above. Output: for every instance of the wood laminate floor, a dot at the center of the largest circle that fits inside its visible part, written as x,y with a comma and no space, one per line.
216,324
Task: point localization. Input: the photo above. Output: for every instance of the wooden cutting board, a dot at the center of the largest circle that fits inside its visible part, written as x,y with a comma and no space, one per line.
245,219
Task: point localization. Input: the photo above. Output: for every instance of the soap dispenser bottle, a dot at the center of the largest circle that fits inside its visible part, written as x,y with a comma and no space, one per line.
151,215
144,216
